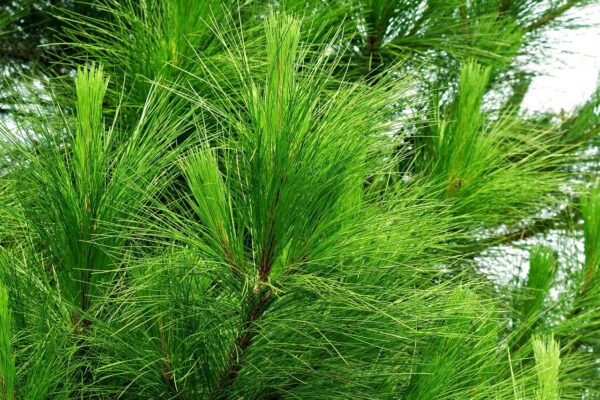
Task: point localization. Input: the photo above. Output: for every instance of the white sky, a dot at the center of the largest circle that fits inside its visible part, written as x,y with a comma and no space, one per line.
570,74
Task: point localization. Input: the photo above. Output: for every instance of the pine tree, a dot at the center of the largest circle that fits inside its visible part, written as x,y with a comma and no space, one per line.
290,200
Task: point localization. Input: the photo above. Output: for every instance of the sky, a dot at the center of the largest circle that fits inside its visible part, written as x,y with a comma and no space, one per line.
569,73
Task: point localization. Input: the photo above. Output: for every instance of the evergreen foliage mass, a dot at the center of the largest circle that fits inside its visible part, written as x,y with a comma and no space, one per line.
291,200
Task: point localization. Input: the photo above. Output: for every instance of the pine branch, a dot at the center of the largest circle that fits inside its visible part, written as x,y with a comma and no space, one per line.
505,6
568,216
552,15
257,303
20,53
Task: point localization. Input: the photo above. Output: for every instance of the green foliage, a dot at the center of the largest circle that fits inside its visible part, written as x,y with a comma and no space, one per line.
258,205
494,170
547,365
7,363
461,362
586,302
68,199
531,297
138,42
591,231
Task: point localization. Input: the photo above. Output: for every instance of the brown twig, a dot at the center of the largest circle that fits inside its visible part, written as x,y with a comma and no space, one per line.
552,15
